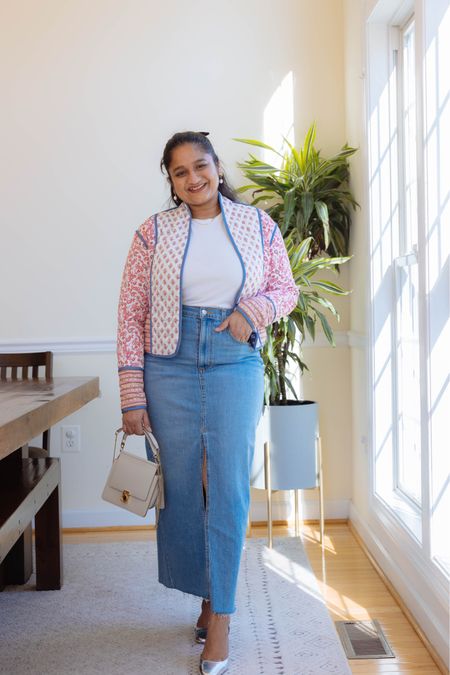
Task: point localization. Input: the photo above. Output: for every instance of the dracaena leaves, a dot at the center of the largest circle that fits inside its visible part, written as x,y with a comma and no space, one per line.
306,193
309,198
283,336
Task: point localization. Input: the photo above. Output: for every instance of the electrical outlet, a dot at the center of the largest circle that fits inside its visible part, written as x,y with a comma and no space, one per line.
70,439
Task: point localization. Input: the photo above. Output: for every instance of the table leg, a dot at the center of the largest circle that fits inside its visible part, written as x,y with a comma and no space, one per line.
49,544
17,566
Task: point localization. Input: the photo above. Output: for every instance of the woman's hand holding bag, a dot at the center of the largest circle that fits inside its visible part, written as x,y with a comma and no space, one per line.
134,483
135,421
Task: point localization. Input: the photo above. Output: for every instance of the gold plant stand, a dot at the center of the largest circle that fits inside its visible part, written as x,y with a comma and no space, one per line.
268,487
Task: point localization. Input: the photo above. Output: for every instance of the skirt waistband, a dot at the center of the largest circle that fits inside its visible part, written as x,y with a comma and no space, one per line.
218,313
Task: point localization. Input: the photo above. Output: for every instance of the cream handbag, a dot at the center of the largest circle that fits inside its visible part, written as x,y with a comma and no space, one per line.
134,483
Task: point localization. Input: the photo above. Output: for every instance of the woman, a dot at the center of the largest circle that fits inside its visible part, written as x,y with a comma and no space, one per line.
201,283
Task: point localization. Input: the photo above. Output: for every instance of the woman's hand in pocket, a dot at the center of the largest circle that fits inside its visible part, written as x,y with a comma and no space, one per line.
237,325
134,421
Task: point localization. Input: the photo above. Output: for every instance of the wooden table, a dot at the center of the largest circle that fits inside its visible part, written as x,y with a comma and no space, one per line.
28,407
30,487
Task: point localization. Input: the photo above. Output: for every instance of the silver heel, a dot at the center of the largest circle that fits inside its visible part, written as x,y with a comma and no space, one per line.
200,634
208,667
213,667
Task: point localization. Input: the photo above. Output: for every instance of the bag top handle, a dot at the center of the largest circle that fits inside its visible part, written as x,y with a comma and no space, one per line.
148,435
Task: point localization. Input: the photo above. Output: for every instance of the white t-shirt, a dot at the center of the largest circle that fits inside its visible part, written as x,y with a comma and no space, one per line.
212,272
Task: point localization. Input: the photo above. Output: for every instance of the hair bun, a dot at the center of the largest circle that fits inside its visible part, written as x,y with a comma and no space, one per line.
204,133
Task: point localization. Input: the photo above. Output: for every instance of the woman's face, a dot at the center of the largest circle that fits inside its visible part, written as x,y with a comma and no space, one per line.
194,175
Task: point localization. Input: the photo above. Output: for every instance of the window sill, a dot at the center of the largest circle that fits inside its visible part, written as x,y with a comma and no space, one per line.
408,514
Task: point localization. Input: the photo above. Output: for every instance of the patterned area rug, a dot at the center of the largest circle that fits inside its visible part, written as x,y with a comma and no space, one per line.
112,616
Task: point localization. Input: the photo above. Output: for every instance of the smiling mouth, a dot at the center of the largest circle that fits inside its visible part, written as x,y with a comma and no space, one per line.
197,189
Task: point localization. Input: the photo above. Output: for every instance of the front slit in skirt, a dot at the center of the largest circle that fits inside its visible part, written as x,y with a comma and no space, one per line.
207,398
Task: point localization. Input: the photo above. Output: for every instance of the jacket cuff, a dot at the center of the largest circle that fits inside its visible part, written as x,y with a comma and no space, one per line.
131,384
247,317
254,339
258,310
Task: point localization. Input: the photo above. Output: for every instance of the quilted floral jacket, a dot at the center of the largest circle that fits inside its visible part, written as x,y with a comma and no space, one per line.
150,296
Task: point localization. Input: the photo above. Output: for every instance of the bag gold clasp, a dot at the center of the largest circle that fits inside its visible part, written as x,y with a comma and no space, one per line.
125,496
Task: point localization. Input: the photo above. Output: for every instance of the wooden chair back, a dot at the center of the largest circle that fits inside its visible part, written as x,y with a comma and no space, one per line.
12,364
18,367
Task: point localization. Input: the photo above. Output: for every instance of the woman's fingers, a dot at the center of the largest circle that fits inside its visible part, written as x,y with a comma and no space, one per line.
146,421
133,422
239,327
223,325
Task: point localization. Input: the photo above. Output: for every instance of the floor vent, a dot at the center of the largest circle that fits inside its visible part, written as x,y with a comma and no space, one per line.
363,640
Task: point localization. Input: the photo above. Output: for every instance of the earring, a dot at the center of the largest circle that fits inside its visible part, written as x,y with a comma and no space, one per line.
220,179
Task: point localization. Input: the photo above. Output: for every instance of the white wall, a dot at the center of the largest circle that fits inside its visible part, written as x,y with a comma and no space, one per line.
91,91
355,78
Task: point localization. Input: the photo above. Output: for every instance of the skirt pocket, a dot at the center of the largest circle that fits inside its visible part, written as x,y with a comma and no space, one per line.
235,340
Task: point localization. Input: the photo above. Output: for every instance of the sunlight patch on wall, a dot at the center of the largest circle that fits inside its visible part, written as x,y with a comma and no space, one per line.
279,119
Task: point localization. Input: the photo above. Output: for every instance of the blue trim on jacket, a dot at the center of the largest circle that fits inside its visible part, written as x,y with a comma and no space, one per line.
170,356
273,305
273,234
260,229
255,339
135,407
150,282
244,272
142,239
180,319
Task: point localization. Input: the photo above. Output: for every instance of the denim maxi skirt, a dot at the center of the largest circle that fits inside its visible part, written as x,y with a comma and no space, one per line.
207,398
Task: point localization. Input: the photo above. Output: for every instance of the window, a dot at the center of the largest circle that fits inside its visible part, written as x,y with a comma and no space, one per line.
395,279
407,469
408,128
408,186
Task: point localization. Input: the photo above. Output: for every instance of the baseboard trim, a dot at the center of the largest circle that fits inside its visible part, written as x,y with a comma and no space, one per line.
99,520
282,512
262,524
353,526
309,509
113,528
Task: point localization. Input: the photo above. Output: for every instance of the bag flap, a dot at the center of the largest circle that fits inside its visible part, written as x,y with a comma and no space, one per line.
132,473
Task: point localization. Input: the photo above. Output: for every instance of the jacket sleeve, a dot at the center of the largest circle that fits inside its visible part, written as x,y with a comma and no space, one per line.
279,294
132,315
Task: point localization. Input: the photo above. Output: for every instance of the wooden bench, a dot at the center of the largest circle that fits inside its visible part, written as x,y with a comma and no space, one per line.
30,488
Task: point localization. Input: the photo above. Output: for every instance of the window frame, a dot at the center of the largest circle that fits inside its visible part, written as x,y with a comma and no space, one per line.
404,258
398,516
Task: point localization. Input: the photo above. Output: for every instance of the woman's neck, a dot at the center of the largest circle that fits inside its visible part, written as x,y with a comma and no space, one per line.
208,210
204,215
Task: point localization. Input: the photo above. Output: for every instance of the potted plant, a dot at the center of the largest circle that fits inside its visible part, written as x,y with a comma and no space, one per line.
291,424
309,198
306,195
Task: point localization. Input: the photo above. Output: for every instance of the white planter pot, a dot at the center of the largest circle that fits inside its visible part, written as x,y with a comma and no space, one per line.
292,431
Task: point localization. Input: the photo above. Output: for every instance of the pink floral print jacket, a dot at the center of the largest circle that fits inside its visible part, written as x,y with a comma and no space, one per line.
150,295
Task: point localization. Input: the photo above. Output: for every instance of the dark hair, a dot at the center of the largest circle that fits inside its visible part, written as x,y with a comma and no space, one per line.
197,138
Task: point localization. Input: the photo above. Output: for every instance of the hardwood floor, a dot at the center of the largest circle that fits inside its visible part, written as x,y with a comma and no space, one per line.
350,584
353,589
